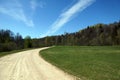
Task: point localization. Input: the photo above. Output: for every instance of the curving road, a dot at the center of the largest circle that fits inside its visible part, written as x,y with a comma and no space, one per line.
28,65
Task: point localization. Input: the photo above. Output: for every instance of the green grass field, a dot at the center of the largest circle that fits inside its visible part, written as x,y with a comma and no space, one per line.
86,62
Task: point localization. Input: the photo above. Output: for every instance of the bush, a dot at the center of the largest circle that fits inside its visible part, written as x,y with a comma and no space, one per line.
7,46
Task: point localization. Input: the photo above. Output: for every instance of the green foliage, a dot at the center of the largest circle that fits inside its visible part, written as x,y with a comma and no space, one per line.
8,46
27,42
9,41
19,41
86,62
97,35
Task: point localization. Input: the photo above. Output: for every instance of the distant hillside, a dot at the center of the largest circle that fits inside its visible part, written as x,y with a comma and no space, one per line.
98,35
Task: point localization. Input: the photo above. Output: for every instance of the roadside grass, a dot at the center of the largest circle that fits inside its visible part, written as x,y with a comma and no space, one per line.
12,52
86,62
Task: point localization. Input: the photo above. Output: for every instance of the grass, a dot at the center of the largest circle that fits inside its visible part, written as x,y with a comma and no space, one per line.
11,52
86,62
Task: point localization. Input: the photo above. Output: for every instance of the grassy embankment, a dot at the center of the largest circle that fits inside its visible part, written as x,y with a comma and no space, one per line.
12,52
86,62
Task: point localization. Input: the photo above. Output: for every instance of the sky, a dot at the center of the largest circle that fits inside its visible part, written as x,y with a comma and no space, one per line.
40,18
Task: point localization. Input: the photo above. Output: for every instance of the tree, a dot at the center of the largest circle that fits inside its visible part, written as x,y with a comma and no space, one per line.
19,41
27,42
118,36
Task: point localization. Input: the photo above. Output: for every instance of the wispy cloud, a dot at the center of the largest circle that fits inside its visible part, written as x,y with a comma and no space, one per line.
36,3
14,9
33,4
68,15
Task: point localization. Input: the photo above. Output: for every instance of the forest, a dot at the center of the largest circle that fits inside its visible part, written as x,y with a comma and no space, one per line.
96,35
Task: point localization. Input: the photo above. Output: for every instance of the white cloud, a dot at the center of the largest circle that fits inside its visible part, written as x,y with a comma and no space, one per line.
33,4
36,3
68,15
14,9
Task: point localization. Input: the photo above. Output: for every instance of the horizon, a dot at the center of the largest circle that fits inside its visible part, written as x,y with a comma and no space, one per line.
40,18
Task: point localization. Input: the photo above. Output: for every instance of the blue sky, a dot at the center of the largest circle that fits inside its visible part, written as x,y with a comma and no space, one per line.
39,18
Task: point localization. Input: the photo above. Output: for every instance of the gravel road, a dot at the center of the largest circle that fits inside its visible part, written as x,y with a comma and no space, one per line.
28,65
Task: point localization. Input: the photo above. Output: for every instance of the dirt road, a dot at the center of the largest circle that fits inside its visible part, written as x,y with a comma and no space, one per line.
28,65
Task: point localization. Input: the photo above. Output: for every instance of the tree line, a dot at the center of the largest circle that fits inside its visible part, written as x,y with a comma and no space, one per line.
96,35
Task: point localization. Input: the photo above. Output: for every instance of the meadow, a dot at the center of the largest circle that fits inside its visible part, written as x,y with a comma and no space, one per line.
86,62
